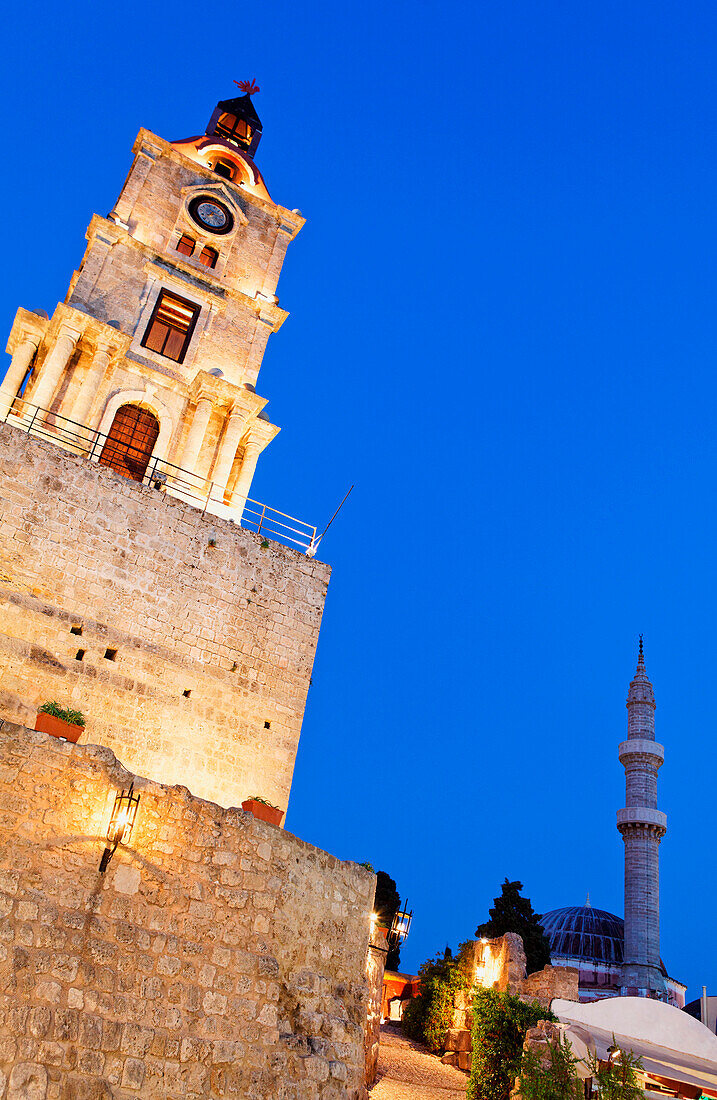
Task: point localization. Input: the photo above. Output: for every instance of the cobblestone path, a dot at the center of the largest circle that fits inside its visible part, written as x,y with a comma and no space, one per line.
407,1072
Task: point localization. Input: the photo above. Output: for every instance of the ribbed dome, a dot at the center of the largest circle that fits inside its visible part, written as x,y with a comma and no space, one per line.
581,932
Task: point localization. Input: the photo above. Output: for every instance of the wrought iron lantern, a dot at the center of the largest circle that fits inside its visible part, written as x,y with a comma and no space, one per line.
401,924
121,823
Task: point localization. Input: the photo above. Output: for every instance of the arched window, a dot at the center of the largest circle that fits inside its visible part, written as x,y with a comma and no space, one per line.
129,445
185,244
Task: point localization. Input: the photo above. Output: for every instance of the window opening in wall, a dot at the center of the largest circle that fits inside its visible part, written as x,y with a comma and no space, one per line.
171,326
208,256
79,655
130,442
75,630
110,654
267,725
187,692
225,169
185,245
236,130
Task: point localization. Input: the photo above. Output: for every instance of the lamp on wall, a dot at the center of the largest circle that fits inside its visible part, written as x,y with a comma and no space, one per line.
121,823
401,925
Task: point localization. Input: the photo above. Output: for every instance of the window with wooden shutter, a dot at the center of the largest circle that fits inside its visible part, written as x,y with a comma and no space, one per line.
129,445
171,326
208,256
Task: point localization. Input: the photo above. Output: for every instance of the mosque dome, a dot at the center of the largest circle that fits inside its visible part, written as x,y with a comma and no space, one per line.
582,933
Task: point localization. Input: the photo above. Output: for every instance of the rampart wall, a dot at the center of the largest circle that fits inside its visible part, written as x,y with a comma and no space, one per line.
217,957
187,641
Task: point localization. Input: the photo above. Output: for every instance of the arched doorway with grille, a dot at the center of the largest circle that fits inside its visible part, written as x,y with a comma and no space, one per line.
130,441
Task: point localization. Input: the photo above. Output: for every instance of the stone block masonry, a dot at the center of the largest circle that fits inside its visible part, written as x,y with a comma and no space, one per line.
217,957
185,640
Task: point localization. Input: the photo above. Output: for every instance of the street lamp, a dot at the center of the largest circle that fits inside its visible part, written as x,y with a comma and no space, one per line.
401,925
122,820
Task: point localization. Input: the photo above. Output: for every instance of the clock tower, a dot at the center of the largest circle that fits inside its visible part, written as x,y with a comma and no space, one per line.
187,640
155,352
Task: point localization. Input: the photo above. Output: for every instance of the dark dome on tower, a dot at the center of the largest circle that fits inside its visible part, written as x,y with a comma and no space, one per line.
581,932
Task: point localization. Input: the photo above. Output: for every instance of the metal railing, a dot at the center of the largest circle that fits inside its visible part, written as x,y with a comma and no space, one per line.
163,476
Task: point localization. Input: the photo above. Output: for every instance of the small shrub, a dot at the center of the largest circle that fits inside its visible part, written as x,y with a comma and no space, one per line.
558,1080
428,1015
500,1022
618,1080
76,717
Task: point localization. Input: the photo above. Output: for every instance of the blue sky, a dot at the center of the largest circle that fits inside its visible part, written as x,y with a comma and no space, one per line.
503,332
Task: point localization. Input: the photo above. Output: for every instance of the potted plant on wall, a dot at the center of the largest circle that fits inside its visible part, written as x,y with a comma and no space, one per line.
263,809
60,721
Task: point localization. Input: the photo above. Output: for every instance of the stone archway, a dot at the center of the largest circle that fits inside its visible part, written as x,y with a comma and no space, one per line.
130,441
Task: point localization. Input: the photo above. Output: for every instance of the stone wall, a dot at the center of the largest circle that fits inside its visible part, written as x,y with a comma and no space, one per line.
375,967
186,642
218,956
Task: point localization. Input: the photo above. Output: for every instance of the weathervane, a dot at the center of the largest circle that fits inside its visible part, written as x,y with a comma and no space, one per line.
249,87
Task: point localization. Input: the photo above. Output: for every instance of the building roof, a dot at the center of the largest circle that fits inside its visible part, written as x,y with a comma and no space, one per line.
671,1044
581,932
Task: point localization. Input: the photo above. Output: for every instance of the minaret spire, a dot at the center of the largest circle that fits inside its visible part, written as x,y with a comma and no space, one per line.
642,826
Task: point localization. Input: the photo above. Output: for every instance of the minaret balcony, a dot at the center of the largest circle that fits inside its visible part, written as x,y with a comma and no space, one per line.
640,746
642,816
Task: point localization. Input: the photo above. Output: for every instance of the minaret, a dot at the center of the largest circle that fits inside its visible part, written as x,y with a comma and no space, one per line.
642,826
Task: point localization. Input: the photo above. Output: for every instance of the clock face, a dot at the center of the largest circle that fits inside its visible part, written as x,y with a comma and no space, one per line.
211,214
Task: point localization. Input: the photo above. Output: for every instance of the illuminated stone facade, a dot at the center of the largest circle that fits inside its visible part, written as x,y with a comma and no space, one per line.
96,355
186,640
217,956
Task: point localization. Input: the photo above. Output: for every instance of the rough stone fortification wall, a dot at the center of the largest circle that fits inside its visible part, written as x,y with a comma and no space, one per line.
217,957
375,967
197,643
500,964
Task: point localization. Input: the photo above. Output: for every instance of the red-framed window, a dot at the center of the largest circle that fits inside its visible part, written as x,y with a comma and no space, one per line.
208,256
171,326
186,244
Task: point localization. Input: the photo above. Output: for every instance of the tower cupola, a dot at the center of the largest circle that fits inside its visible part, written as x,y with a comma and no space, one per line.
236,121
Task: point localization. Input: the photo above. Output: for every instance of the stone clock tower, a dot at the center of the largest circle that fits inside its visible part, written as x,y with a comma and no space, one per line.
132,587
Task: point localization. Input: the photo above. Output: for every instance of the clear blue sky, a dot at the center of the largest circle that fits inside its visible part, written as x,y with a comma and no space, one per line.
503,331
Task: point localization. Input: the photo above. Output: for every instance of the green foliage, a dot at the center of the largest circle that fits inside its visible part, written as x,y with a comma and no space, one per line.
75,717
385,906
558,1080
513,913
428,1016
263,801
368,866
618,1079
500,1022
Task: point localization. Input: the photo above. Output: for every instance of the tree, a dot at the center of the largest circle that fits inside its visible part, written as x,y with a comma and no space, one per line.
385,906
513,913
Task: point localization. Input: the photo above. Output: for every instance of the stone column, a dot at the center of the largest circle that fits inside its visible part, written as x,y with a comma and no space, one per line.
197,431
89,389
246,473
54,365
228,450
16,372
